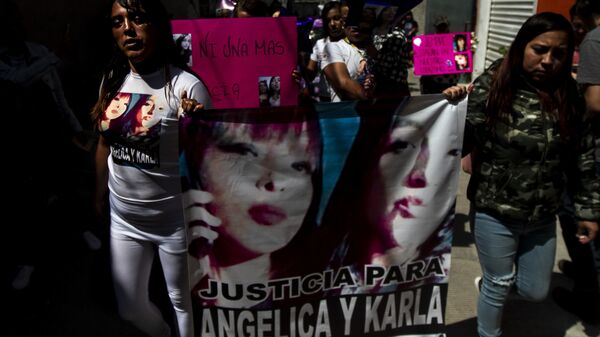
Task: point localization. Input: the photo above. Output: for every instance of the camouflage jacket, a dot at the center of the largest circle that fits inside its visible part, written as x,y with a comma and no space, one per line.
521,164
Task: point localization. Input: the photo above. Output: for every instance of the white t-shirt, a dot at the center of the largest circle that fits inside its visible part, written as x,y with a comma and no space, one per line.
318,55
343,52
589,62
144,176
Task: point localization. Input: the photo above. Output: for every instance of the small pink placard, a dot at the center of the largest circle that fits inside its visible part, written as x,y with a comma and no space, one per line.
233,55
437,54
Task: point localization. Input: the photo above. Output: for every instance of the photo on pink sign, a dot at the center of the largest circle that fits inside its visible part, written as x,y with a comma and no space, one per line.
461,61
460,43
184,46
269,91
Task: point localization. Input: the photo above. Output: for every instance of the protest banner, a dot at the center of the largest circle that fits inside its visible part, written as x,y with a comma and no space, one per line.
299,228
437,54
234,57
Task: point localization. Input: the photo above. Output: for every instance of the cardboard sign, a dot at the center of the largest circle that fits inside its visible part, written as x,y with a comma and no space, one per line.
234,57
437,54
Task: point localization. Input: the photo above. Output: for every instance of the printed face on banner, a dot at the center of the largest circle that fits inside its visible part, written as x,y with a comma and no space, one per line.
411,189
405,188
438,54
256,190
380,249
260,178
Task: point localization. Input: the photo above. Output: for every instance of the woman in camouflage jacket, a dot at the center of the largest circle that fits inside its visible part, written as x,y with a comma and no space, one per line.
527,125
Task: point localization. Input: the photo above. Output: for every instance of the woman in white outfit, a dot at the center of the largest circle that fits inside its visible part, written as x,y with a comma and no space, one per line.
140,170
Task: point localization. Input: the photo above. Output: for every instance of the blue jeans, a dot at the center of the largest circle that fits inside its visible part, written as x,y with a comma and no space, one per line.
511,254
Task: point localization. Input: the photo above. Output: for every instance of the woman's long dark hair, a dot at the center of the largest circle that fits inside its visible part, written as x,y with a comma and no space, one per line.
561,97
118,66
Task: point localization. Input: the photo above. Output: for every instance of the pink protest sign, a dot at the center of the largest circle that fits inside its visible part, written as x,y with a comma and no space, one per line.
245,62
442,54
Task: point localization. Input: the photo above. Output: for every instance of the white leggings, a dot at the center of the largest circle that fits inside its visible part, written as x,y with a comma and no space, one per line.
131,260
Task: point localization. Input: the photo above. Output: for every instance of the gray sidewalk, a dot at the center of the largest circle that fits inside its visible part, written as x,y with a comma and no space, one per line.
521,318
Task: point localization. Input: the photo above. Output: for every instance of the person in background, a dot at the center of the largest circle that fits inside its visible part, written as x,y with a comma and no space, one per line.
334,31
581,29
345,64
383,25
390,55
224,9
584,298
435,84
33,98
410,28
525,119
276,9
345,10
140,170
250,8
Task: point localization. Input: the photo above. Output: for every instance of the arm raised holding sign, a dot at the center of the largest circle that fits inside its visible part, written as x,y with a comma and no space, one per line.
189,105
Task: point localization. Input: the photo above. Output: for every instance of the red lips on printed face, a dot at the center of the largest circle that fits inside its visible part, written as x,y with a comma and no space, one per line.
267,215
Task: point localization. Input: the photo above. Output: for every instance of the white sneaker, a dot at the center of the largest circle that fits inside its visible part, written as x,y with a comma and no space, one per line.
92,240
478,282
21,280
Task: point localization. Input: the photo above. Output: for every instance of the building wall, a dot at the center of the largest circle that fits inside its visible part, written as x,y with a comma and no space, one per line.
460,17
420,15
498,21
558,6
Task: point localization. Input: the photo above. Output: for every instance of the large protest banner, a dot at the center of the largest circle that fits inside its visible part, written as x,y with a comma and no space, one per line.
334,222
238,57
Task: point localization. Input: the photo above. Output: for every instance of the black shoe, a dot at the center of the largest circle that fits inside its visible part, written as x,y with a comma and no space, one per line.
566,267
585,307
